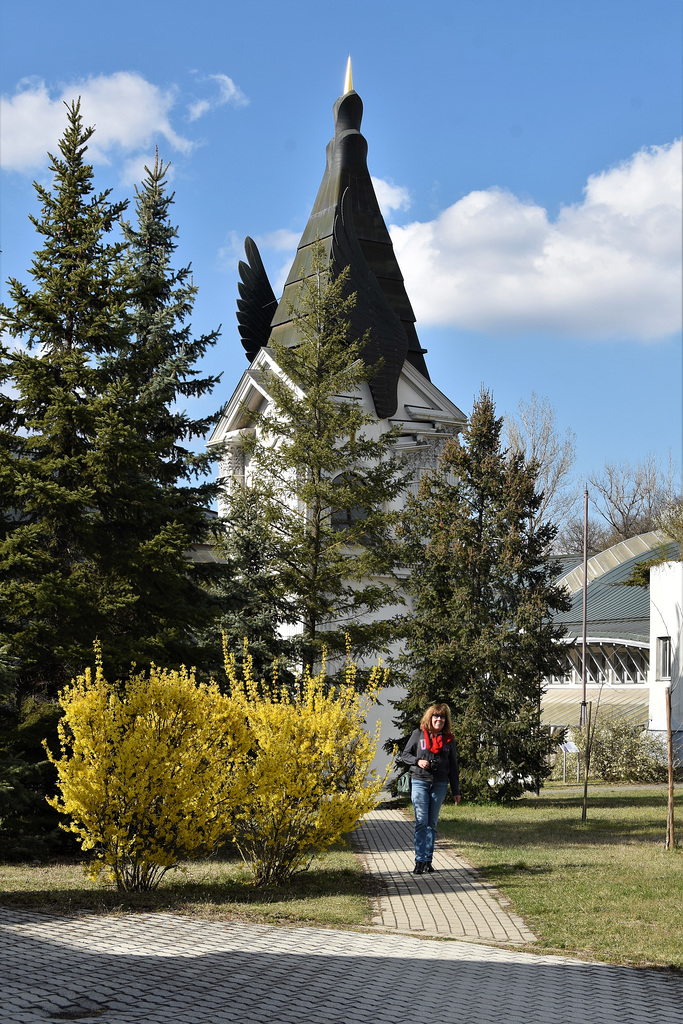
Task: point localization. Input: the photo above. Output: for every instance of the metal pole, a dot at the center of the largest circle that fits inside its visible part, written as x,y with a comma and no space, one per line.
584,706
587,765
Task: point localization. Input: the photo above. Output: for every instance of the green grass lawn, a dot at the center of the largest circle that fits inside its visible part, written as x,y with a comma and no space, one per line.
607,889
334,893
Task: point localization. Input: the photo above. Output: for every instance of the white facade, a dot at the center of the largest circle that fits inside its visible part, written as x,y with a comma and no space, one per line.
426,419
666,648
425,416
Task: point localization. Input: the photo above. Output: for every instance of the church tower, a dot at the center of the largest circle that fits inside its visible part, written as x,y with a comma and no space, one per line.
347,220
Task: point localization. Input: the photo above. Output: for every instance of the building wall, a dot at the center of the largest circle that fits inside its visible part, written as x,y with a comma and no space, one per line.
666,623
425,418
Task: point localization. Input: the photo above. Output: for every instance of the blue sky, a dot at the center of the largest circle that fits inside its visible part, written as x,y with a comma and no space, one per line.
528,157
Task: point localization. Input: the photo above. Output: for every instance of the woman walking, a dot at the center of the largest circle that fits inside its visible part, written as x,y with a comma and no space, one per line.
433,760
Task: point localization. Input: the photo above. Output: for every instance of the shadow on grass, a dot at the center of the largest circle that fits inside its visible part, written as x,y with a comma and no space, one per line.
509,870
550,821
600,799
176,894
563,831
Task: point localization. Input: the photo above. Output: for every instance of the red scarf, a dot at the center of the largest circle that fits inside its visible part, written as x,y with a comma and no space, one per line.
435,743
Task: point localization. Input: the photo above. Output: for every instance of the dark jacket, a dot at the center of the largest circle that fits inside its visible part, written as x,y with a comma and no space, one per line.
445,761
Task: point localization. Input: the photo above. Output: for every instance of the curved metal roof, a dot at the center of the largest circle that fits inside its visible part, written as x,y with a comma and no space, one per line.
614,610
626,551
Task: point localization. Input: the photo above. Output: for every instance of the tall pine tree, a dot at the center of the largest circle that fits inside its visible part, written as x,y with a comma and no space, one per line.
53,597
482,637
96,521
161,508
324,478
253,605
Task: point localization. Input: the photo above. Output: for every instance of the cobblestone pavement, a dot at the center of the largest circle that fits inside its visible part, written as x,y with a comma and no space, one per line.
166,969
454,902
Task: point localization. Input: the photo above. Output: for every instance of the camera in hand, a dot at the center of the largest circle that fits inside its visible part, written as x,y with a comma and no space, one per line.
433,765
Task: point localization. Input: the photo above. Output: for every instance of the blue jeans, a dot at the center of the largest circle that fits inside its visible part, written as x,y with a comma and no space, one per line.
427,798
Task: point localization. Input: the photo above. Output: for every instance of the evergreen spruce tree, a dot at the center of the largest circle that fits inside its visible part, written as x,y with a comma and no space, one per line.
96,522
10,446
53,597
161,507
323,478
482,636
253,606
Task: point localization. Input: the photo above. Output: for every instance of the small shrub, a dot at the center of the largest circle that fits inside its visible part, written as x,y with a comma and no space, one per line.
308,779
557,772
622,752
149,771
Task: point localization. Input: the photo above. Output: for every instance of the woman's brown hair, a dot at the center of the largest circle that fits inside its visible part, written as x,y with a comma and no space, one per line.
437,709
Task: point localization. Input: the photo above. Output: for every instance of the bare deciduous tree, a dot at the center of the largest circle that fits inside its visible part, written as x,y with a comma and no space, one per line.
534,433
671,521
570,540
631,498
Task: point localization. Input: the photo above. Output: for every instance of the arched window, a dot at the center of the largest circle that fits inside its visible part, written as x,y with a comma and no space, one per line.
343,517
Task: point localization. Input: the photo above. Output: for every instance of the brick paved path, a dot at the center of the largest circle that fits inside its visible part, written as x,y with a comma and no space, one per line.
166,969
454,902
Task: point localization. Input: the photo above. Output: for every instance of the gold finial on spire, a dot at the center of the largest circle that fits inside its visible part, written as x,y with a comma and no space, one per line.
348,79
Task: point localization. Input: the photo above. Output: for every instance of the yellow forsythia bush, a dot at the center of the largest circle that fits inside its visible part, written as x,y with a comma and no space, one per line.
149,772
308,777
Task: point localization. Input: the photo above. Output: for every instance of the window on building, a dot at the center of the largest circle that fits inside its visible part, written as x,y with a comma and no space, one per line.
663,657
341,517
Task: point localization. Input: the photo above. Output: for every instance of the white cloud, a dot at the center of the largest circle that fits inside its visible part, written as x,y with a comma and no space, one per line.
134,168
230,93
227,92
281,240
198,109
608,267
129,113
281,275
233,251
390,197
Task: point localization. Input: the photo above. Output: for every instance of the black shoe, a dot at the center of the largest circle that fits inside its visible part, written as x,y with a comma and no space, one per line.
419,867
427,868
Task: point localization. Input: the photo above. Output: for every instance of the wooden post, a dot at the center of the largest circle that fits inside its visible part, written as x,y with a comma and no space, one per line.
669,844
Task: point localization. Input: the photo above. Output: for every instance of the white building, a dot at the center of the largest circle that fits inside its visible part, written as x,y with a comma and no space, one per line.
633,638
666,648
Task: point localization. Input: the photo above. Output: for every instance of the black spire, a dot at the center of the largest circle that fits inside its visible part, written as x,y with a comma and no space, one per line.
347,219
